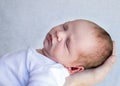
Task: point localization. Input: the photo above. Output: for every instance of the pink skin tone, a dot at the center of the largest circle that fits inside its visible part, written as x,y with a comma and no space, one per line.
64,43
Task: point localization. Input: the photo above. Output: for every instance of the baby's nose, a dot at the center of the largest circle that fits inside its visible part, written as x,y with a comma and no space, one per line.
61,35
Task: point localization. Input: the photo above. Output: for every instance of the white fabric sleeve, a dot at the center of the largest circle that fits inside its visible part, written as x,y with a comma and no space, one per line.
13,70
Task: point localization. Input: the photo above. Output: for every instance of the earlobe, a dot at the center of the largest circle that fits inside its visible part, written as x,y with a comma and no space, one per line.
73,70
81,68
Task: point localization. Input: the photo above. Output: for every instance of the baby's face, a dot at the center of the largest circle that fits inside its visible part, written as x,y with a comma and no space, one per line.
65,42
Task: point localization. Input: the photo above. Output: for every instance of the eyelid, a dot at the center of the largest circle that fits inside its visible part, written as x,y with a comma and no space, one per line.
67,44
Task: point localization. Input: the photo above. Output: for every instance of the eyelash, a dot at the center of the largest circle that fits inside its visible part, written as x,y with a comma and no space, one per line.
67,43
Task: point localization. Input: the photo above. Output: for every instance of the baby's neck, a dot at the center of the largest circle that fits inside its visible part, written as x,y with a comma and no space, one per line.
40,51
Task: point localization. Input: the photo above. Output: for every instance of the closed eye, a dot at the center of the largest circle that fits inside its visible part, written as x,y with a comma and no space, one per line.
67,43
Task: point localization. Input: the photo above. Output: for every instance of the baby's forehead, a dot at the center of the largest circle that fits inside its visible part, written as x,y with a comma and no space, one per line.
82,25
81,22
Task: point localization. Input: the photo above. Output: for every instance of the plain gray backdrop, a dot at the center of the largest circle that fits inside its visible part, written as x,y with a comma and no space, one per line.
24,23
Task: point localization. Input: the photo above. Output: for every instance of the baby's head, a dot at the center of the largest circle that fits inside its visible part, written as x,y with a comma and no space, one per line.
78,45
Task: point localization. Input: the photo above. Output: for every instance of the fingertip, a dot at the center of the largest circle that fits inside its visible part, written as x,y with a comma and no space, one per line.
112,59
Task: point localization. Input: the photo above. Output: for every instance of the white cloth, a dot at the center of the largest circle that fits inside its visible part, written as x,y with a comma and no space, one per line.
29,68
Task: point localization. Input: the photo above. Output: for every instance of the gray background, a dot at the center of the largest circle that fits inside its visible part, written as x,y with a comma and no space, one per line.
24,23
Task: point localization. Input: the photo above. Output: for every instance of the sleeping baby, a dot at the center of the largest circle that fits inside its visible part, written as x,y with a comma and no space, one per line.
69,48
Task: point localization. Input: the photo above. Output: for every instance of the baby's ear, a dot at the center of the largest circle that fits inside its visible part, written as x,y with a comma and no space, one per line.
73,70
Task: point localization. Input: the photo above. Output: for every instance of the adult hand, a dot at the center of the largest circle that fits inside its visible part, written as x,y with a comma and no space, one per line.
91,76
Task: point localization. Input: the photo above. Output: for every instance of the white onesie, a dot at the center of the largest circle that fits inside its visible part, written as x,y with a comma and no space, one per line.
29,68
